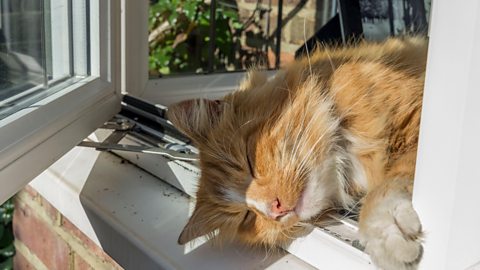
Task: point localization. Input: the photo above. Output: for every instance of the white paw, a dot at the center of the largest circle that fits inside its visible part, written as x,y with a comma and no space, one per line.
391,234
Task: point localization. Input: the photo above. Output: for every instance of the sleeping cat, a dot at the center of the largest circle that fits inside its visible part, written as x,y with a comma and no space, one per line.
330,131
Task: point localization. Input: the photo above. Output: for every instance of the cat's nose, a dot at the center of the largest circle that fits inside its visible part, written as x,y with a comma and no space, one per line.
278,209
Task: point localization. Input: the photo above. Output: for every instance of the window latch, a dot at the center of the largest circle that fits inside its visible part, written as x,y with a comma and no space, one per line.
172,154
146,125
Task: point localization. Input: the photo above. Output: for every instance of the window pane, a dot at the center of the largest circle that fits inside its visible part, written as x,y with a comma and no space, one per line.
244,35
38,50
383,18
183,37
22,62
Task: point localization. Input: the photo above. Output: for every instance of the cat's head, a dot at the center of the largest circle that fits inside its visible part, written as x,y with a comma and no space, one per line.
268,160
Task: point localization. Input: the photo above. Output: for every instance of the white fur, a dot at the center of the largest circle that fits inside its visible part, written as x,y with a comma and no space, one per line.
320,191
233,196
357,172
391,234
344,174
260,206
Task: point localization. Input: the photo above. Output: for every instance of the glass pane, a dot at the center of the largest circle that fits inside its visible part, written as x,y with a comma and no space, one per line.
301,21
38,49
184,39
22,50
384,18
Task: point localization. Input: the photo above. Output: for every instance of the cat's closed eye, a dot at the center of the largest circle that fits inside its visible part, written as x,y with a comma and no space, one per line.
250,167
248,220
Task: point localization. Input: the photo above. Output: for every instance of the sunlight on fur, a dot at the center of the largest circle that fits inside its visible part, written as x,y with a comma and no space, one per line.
328,132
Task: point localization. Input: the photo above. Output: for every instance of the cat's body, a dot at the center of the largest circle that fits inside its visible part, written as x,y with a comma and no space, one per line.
326,132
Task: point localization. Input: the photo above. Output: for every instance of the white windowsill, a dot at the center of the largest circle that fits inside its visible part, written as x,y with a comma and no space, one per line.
135,217
318,248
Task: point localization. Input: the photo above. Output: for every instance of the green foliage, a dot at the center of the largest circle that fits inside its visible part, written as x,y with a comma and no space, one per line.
7,249
179,36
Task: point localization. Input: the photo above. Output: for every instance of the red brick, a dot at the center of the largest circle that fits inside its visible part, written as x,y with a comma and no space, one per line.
51,211
70,228
88,243
80,264
297,30
32,194
287,3
30,191
40,238
20,263
285,58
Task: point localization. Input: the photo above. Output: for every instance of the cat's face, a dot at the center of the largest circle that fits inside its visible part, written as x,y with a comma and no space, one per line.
267,157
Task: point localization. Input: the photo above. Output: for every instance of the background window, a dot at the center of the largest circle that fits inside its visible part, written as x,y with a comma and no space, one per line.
244,31
38,52
383,18
205,36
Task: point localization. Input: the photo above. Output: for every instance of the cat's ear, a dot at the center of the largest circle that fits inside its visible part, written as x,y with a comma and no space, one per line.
204,221
195,117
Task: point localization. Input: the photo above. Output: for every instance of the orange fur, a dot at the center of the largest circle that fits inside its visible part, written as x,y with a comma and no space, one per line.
341,125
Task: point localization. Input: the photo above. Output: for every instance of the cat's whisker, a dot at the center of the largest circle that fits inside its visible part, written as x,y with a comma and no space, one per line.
301,132
325,50
306,45
347,110
312,148
246,123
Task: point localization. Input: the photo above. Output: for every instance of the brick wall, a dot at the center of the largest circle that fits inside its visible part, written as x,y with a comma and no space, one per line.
302,18
45,239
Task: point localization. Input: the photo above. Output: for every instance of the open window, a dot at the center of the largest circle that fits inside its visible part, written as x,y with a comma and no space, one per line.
453,39
55,96
166,75
58,81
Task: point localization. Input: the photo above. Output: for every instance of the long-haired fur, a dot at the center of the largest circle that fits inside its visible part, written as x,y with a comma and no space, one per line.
320,135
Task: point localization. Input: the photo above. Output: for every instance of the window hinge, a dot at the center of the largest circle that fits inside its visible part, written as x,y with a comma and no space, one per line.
154,134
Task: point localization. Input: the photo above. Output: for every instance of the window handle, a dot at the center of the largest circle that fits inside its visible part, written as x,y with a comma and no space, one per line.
172,154
122,127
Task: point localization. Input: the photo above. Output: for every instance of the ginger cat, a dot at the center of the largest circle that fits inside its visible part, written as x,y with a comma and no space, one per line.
327,132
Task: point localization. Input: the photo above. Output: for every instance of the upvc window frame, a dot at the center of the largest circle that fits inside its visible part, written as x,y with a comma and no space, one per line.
35,137
170,89
445,184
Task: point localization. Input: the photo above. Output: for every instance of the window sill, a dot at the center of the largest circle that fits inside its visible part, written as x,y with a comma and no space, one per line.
319,248
135,217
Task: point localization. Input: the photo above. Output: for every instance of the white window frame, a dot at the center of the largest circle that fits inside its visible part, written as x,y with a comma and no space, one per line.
447,177
35,137
135,79
446,183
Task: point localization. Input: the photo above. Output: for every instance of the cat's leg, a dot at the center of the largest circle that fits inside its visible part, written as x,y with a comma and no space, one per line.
390,228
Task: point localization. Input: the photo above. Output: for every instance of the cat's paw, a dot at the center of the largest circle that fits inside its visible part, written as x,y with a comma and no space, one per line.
391,233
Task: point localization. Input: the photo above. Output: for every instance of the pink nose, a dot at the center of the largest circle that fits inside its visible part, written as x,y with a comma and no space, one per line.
278,210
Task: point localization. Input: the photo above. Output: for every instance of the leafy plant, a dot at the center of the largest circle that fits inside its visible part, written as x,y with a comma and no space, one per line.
179,37
7,249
